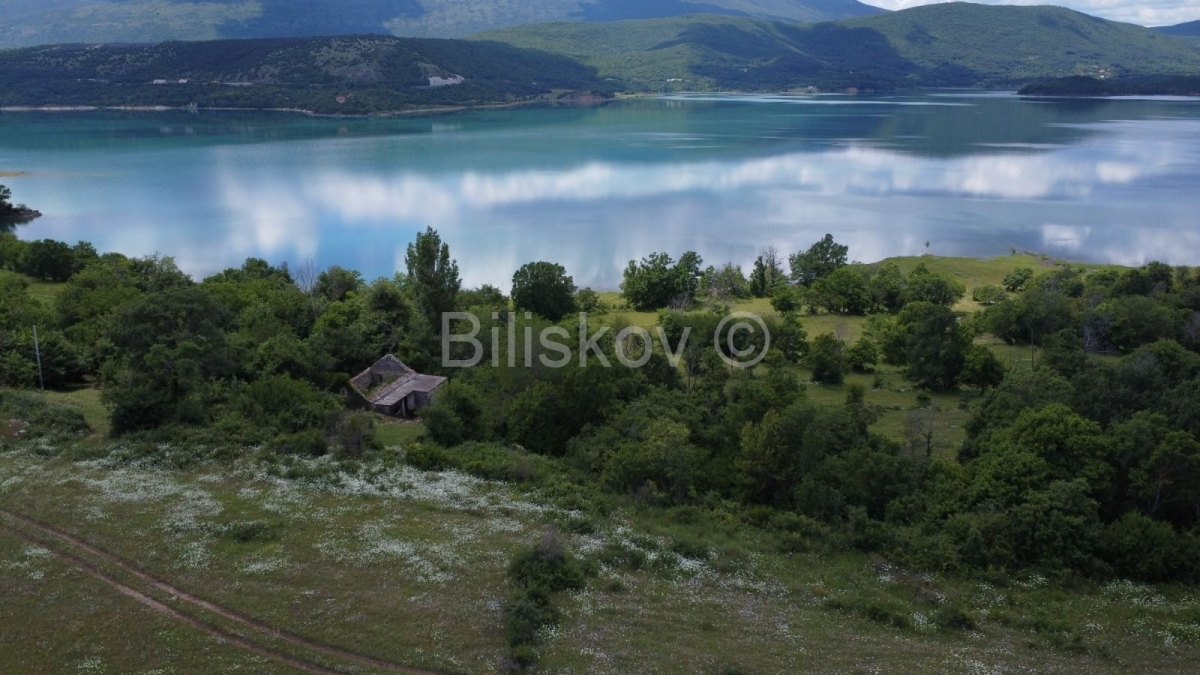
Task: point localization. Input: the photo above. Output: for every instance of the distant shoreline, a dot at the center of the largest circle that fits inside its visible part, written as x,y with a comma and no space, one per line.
1182,86
409,112
20,217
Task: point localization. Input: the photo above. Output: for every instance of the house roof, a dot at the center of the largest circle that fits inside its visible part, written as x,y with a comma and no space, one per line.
395,381
396,391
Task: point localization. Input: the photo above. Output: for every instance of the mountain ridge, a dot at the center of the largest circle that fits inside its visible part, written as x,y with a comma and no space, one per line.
950,44
945,45
1188,29
345,75
25,23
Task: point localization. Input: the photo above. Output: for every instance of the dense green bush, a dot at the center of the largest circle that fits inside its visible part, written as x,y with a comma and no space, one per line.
307,443
456,416
862,356
842,291
827,360
1015,281
662,458
1139,547
820,260
545,289
547,565
930,342
659,281
538,573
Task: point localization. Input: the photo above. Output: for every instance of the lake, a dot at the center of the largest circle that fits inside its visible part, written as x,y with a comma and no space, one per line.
970,173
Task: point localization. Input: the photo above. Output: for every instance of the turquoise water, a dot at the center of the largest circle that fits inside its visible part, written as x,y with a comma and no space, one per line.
952,174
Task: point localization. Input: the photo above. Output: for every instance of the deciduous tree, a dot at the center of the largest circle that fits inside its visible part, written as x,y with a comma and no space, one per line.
819,261
545,289
433,279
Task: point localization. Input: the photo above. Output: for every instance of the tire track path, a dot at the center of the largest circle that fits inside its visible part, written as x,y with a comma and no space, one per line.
74,542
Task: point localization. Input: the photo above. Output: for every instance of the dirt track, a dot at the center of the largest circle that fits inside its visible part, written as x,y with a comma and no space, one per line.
74,543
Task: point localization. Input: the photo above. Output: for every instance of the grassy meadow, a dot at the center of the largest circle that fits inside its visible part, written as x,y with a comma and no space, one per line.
408,566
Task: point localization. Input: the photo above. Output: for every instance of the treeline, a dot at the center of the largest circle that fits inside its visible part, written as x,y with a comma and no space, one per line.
1158,85
369,74
253,356
1073,465
1085,462
912,322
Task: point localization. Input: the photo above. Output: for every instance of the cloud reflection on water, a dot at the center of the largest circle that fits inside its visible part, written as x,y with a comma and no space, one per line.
598,215
594,190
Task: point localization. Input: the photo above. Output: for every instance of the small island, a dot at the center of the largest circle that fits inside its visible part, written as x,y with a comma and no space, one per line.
14,213
1080,85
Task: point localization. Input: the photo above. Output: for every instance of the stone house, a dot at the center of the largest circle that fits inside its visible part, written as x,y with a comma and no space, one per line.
391,388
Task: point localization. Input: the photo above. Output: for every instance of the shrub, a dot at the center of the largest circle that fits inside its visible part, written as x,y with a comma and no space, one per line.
443,426
925,286
1016,280
663,456
589,302
658,281
989,295
827,359
427,457
48,260
41,418
354,434
308,443
286,405
844,291
619,555
250,532
953,618
495,461
981,368
885,614
538,572
862,356
545,289
786,298
547,565
1141,548
528,613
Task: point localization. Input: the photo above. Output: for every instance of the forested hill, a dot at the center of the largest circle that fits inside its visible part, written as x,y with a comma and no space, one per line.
26,23
954,44
1189,29
346,75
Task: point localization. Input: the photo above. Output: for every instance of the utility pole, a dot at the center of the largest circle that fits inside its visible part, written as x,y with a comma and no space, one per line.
37,350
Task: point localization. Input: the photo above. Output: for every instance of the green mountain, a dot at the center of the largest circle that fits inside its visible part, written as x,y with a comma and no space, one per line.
346,75
1189,29
35,22
955,44
1004,45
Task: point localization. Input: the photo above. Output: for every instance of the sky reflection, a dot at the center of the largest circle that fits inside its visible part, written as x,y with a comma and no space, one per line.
599,191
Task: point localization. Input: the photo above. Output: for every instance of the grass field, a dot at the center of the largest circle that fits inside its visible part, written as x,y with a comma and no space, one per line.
408,567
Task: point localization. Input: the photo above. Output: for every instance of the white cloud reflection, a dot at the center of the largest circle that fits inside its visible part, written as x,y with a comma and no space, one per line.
596,216
1121,192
